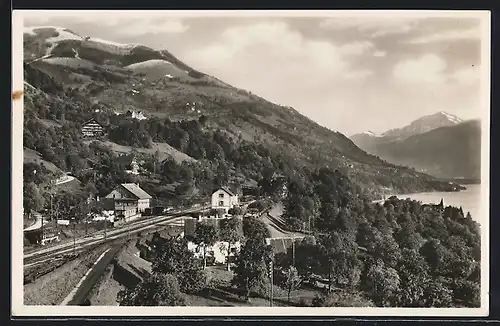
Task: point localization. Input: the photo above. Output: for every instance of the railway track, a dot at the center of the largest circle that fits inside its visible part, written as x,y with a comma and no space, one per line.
34,258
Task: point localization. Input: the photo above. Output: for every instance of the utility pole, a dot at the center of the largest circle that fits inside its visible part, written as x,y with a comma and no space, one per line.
271,272
74,237
41,229
105,226
293,251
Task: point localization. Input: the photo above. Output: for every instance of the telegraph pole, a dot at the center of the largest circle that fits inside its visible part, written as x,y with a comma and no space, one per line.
105,226
271,283
41,241
74,237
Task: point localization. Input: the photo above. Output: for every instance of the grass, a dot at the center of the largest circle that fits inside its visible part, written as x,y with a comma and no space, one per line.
165,150
106,290
52,288
31,156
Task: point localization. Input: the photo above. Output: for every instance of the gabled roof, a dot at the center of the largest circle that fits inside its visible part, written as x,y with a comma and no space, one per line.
225,189
135,190
91,120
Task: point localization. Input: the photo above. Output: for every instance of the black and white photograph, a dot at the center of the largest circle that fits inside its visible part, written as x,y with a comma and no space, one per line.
250,162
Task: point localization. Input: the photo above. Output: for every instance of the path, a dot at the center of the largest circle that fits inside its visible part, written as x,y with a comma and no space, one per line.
64,179
276,224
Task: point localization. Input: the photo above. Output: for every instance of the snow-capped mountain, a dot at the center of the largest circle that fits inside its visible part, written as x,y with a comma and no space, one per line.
431,144
424,124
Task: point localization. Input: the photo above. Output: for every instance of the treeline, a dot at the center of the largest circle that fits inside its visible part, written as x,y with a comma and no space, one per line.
401,253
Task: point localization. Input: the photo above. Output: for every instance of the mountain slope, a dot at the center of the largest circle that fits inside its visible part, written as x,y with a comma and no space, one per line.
81,77
448,152
424,124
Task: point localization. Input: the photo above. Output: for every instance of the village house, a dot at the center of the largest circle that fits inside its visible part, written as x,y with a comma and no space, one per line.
92,128
129,200
224,198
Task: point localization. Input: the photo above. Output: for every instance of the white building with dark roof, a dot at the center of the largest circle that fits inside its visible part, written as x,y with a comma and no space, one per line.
224,198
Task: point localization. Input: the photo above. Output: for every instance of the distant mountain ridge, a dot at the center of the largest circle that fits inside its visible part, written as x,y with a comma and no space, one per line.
440,144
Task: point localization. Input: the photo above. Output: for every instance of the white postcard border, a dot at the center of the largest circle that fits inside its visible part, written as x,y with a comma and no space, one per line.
19,309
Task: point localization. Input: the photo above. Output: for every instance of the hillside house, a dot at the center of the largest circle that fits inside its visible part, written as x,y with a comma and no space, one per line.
138,115
129,200
132,165
92,128
224,198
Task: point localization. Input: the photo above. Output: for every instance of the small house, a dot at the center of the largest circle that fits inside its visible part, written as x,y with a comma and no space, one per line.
92,128
224,198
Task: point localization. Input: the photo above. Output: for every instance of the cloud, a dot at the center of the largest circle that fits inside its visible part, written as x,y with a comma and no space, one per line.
379,54
170,26
373,26
357,48
273,43
124,23
451,35
426,70
466,76
359,75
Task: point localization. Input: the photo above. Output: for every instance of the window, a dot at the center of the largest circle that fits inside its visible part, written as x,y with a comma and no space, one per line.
221,203
221,195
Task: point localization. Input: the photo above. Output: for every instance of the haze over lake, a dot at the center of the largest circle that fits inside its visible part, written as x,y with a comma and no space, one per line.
469,199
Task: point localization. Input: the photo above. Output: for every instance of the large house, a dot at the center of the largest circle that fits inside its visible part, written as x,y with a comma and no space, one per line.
224,198
129,200
92,128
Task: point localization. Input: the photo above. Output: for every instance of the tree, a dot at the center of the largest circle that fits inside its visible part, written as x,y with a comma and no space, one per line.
255,229
291,280
308,259
235,211
250,270
382,283
32,199
231,232
173,257
437,294
156,290
414,275
205,236
341,265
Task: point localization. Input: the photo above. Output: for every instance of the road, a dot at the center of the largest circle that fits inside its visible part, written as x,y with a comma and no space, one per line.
44,254
64,179
35,226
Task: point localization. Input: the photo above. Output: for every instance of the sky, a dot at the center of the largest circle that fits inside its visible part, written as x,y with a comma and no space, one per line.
351,73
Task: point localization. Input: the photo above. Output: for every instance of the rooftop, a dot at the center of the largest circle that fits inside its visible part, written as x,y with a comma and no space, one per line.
136,190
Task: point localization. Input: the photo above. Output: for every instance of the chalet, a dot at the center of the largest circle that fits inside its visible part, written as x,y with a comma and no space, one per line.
224,198
129,200
92,128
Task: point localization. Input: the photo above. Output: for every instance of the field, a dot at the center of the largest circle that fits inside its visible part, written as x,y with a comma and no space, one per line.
31,156
165,151
156,69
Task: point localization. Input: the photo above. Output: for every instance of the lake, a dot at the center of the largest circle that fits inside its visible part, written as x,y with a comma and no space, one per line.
469,199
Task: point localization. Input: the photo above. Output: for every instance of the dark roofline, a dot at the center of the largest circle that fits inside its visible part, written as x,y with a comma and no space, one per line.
226,189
